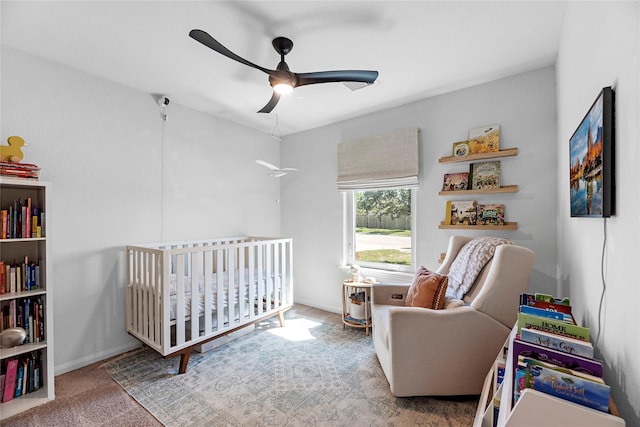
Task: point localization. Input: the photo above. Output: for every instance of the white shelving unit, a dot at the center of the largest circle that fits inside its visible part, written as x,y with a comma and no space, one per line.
36,249
535,408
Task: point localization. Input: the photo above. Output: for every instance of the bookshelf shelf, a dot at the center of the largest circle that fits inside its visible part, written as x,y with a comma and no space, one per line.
28,251
484,156
506,226
503,189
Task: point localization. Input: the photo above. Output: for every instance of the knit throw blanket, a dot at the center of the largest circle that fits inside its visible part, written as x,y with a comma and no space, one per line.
470,260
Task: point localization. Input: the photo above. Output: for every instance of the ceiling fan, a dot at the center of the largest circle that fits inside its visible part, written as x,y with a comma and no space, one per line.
281,79
277,172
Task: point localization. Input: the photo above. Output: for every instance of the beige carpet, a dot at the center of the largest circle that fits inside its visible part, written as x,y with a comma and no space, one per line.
311,373
86,397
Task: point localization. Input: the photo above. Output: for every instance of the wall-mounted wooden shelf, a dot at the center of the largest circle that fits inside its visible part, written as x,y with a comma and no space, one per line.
502,153
506,226
503,189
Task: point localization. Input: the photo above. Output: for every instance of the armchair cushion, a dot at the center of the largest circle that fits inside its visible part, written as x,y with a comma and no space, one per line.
427,290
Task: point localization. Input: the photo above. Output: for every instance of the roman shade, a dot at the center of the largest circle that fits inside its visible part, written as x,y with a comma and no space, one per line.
384,161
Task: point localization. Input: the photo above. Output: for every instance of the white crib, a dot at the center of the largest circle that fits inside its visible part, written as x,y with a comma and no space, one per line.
231,282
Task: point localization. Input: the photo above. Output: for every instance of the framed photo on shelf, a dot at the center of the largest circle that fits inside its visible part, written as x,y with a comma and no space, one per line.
460,149
485,175
591,152
484,139
455,181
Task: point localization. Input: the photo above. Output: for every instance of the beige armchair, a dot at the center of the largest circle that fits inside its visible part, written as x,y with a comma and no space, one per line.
448,352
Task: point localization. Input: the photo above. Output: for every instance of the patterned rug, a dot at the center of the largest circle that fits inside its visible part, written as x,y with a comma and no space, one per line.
309,373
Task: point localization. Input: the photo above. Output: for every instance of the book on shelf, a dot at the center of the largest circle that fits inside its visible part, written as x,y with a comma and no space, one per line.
22,375
576,363
485,175
557,342
557,315
455,181
461,212
19,380
551,299
539,301
567,384
551,325
490,214
19,170
22,219
10,380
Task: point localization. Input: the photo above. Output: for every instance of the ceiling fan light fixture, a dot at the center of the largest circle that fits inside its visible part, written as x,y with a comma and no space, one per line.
283,88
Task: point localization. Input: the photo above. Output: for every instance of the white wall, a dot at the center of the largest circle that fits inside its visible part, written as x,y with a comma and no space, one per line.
100,145
599,47
523,105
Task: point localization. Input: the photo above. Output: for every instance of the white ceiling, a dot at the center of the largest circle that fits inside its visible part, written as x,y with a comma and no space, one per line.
420,48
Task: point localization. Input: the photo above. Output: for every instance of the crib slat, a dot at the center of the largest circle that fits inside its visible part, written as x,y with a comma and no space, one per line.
251,280
195,274
219,289
180,315
208,293
243,288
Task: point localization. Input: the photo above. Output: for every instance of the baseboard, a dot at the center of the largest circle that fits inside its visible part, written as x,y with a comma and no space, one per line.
93,358
313,304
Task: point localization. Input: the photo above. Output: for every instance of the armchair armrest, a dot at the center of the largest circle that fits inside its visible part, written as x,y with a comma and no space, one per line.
459,345
389,294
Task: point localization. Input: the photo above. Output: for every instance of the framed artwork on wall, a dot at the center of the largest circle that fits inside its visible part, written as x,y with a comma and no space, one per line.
591,153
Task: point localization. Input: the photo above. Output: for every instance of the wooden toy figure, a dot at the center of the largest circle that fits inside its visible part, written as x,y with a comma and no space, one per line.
13,151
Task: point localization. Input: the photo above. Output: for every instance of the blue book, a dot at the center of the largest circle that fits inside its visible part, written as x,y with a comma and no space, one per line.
565,385
19,379
546,313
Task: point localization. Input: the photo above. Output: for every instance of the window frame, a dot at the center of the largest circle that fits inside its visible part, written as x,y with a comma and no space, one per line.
349,236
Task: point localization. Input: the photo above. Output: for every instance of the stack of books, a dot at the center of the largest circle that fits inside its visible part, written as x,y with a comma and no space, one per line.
19,170
552,354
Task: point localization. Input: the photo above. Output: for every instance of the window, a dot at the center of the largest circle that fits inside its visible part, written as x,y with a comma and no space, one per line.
379,229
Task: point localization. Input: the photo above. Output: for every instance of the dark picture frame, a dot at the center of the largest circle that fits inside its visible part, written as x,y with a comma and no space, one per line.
591,154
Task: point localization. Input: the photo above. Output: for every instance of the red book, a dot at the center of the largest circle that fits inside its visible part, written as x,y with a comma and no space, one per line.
10,380
3,279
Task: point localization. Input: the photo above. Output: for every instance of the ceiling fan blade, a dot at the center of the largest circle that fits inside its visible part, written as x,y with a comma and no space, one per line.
267,165
271,104
288,169
210,42
362,76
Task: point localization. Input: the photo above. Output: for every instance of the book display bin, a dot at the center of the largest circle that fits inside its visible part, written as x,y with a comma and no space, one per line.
26,302
533,407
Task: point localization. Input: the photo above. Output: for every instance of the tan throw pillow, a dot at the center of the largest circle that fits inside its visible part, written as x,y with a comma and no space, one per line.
427,290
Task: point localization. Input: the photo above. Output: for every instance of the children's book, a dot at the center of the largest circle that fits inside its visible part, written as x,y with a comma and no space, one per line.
485,175
557,315
580,364
491,214
461,212
559,305
551,325
455,181
567,385
557,342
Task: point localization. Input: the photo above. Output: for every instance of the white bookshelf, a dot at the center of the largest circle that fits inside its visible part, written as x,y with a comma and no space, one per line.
36,249
533,407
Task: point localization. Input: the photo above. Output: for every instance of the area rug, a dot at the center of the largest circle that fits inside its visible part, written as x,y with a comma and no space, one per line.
309,373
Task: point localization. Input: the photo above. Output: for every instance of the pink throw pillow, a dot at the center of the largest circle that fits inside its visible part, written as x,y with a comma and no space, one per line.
428,290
